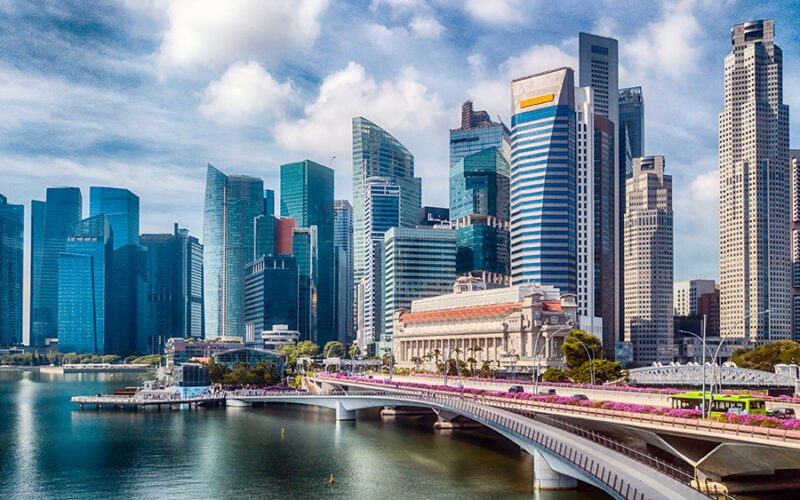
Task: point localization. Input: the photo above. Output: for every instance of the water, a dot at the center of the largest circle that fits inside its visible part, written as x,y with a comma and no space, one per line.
51,449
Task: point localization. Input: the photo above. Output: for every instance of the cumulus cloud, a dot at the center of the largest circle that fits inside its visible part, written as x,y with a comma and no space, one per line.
536,59
210,32
426,27
705,187
498,11
246,91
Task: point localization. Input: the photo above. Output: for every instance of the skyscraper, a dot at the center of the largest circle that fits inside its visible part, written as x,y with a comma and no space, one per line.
599,69
433,216
755,266
343,255
376,153
271,292
127,324
84,287
631,118
543,177
12,223
307,197
306,255
381,212
232,203
50,221
175,288
122,209
418,263
477,132
686,293
795,173
648,262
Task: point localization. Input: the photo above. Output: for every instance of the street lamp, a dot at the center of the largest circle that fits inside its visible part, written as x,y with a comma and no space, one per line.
537,355
705,351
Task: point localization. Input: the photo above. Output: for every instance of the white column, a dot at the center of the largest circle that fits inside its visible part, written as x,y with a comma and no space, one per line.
545,478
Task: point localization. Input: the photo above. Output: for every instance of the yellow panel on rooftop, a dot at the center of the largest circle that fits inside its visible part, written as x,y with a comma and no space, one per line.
533,101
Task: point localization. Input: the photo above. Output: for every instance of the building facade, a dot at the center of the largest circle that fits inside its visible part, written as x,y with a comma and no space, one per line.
121,207
686,293
433,216
631,120
84,288
418,263
543,179
344,307
50,221
795,172
517,328
648,262
307,197
755,247
12,224
271,295
232,202
304,250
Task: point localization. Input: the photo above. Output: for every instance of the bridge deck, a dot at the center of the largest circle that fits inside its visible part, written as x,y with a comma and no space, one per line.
137,401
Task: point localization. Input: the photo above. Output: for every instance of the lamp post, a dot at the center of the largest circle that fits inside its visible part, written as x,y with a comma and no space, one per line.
705,351
536,352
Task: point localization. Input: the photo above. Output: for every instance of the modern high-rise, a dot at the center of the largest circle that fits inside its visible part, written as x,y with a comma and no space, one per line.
631,119
480,153
795,173
382,211
599,69
50,221
85,288
232,202
343,280
12,223
376,153
755,235
418,263
175,287
306,255
648,262
121,207
264,235
269,202
128,324
605,230
686,293
271,291
433,216
307,197
543,180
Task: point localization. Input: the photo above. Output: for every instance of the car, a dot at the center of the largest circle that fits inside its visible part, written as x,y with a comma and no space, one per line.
516,389
782,413
548,392
580,397
459,385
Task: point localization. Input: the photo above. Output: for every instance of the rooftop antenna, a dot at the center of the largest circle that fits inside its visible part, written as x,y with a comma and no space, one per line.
331,162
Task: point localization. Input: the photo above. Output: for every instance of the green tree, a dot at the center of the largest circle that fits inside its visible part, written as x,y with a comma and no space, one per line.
554,375
417,362
486,369
354,351
766,356
333,349
575,354
604,371
217,372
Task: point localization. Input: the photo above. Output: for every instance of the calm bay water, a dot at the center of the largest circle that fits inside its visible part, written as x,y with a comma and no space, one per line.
51,449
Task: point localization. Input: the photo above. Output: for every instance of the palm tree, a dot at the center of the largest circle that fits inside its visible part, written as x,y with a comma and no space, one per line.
472,362
436,353
417,362
457,351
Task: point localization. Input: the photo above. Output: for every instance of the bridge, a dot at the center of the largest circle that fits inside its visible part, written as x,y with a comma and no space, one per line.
692,375
561,456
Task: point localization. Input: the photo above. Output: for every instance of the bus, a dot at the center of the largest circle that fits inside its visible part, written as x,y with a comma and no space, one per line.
744,404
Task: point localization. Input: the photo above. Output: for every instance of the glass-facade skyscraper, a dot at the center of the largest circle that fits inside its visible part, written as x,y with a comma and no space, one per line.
232,202
631,119
122,209
50,221
12,223
271,291
307,197
306,255
477,132
343,280
84,287
376,153
543,179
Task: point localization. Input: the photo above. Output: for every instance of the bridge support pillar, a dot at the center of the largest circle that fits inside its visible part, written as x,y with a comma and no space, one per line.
344,414
545,478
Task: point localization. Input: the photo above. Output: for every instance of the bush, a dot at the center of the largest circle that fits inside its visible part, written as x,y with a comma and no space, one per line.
554,375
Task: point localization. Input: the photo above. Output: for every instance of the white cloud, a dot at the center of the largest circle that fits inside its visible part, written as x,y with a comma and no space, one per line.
498,11
211,33
477,64
244,92
536,59
705,187
426,27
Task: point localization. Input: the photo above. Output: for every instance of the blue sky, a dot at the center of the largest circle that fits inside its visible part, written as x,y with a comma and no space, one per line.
142,94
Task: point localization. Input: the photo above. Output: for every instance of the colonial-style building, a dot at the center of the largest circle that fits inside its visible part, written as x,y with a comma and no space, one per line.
515,328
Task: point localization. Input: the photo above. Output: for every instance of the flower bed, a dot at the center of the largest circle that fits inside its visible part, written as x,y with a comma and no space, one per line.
752,420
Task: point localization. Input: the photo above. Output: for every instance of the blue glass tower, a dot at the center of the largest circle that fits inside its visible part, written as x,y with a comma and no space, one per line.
12,222
122,209
232,203
49,230
271,291
543,179
477,132
343,256
84,272
127,323
306,255
307,197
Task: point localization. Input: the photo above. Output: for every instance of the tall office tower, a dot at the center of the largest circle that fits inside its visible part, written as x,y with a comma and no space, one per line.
418,263
477,132
795,166
755,266
686,293
307,197
270,295
377,154
128,322
12,223
631,118
605,231
264,236
433,216
50,221
382,211
175,288
648,262
306,255
543,179
344,309
231,206
85,288
122,209
269,202
284,230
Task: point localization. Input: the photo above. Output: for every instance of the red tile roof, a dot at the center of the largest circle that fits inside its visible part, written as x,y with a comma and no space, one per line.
493,311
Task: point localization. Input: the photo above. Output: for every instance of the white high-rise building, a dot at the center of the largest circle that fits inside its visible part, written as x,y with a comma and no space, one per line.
685,294
795,166
648,262
755,240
